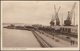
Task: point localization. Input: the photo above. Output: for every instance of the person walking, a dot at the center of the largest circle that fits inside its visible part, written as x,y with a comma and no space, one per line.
72,42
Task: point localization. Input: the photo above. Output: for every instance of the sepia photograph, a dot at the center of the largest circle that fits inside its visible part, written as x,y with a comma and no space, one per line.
40,24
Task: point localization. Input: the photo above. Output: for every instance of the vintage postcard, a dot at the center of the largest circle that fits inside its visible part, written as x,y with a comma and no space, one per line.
40,25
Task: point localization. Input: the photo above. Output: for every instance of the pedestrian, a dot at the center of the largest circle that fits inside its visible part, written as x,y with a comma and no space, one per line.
72,42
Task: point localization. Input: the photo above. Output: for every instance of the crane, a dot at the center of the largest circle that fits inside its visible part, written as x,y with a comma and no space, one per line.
67,22
56,17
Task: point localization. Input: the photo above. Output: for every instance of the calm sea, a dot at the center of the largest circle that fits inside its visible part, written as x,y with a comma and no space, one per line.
18,38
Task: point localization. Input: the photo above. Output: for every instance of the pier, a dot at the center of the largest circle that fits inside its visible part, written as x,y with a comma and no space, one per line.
41,37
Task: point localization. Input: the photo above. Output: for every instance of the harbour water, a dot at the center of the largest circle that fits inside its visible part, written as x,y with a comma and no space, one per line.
18,38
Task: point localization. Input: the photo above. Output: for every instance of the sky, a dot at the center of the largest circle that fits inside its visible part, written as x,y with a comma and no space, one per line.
36,12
